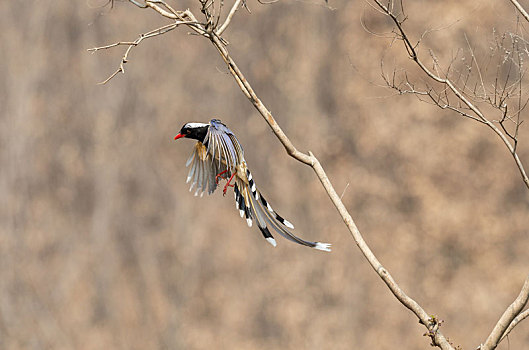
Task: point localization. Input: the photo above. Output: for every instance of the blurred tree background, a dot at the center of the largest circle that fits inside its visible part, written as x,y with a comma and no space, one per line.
103,247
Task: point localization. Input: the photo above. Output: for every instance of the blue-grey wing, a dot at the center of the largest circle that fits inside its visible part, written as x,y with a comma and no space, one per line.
223,146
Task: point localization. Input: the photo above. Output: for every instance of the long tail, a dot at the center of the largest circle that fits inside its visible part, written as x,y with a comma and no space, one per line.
253,205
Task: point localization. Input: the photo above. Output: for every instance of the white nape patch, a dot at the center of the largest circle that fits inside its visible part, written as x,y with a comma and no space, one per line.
269,207
253,187
288,224
271,241
241,212
195,125
323,246
249,222
250,177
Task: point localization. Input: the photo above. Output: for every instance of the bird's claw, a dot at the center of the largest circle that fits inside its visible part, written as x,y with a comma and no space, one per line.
219,176
226,188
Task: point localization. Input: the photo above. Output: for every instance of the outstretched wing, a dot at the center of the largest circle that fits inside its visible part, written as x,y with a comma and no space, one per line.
220,152
203,170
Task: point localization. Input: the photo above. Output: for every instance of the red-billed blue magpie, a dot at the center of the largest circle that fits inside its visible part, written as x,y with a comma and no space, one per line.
218,154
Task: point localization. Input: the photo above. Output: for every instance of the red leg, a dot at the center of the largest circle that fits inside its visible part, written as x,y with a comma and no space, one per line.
219,175
228,184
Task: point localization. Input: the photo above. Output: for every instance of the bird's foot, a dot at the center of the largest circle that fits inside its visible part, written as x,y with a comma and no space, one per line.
228,184
226,188
219,176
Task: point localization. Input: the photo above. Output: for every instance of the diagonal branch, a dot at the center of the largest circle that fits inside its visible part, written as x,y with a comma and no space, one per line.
431,323
521,9
521,316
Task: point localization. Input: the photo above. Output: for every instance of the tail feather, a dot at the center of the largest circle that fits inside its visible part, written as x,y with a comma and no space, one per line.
257,196
249,199
261,223
256,205
243,205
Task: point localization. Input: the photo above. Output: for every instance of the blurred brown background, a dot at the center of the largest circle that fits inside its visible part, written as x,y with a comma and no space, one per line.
103,247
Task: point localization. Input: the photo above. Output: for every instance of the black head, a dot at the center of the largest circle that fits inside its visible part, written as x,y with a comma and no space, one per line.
195,131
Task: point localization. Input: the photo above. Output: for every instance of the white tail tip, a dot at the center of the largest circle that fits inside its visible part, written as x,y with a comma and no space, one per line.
271,241
323,246
288,224
249,222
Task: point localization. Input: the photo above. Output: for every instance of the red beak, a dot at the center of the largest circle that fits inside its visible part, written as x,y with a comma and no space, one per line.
179,136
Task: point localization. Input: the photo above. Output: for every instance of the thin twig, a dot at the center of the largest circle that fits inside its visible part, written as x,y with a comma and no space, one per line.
124,59
227,22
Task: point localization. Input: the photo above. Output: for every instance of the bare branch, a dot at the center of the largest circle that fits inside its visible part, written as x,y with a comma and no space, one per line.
521,316
124,59
429,322
508,317
412,53
474,61
521,9
227,22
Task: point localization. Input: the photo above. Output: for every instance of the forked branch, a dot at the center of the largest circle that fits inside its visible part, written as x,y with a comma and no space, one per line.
510,318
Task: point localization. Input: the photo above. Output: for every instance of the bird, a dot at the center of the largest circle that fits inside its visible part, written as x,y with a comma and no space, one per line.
218,155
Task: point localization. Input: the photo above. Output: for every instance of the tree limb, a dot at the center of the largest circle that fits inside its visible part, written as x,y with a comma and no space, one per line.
521,9
521,316
507,321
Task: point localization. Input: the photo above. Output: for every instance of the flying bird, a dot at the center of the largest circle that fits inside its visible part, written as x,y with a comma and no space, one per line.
219,155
